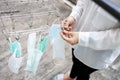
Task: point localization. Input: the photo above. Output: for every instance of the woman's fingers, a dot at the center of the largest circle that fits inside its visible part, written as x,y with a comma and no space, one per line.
70,37
66,24
64,35
67,36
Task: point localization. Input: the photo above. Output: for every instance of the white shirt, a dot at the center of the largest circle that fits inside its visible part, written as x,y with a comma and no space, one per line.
99,37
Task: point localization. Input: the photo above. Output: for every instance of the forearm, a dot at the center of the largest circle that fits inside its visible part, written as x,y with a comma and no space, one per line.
78,9
100,40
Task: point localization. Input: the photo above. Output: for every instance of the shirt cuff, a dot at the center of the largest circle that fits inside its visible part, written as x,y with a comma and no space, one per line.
74,15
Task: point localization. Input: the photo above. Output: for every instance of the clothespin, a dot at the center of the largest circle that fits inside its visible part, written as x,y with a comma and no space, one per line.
17,36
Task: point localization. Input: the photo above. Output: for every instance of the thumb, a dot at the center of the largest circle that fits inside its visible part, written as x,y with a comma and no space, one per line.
66,35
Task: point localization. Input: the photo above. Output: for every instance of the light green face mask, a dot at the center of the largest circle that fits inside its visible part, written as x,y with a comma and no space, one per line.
15,46
33,61
42,44
34,55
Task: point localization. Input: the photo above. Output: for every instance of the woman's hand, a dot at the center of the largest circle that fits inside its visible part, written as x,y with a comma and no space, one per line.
70,37
68,23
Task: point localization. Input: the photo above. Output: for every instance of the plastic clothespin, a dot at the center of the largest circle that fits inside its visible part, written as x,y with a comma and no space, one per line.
17,37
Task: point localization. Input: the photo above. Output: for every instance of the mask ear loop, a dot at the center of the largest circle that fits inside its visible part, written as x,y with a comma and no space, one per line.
14,54
42,36
5,31
56,21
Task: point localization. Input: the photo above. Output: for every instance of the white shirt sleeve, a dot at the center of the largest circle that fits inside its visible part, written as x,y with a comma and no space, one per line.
101,40
78,9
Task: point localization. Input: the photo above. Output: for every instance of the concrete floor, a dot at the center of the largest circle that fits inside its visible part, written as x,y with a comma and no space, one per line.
27,15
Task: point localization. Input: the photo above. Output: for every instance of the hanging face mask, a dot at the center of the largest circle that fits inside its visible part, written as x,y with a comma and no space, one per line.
31,43
55,29
33,61
15,45
57,42
42,44
34,55
14,62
